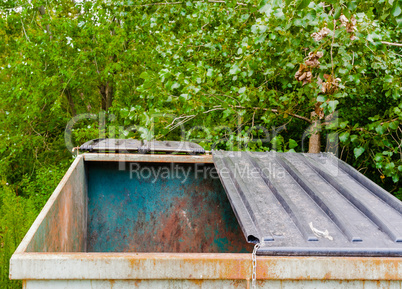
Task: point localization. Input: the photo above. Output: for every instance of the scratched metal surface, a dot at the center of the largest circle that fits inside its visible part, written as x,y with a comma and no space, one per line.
209,284
199,266
62,223
160,208
304,204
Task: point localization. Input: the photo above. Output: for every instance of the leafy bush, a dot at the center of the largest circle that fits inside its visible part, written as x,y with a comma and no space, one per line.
16,216
39,187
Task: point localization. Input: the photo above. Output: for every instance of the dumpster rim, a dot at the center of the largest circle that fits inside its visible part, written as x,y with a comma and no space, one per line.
229,266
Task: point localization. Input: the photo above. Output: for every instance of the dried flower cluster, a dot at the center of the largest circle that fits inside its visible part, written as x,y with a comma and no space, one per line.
319,111
304,73
349,24
330,85
317,36
312,59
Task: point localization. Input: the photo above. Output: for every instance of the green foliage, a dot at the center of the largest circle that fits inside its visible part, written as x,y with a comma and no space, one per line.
38,188
16,216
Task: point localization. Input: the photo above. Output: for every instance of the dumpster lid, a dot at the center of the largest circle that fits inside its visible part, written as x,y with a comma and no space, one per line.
309,205
132,145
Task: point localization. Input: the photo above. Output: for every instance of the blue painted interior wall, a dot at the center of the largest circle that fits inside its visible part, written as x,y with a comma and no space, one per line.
157,207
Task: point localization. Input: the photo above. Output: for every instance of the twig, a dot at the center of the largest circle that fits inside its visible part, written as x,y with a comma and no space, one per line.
391,120
96,63
273,110
211,1
23,28
176,3
189,117
177,118
183,122
218,108
391,44
332,44
165,3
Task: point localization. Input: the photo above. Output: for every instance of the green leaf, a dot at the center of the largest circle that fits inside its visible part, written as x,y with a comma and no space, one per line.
262,3
396,9
303,4
144,75
242,90
175,85
390,166
378,158
332,105
358,151
344,136
388,78
394,125
234,70
380,129
352,5
337,13
343,124
292,144
399,21
346,12
353,138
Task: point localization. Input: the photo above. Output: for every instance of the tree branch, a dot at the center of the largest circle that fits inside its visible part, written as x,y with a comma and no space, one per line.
176,3
211,1
23,29
274,111
391,44
332,45
166,3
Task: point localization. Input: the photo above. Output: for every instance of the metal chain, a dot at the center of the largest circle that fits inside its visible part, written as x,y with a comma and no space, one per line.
254,257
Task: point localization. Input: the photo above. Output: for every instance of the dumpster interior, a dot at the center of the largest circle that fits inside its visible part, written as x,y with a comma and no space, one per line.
159,207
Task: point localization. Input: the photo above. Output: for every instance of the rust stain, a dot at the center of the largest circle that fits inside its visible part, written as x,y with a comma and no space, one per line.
327,276
235,266
179,230
155,158
62,228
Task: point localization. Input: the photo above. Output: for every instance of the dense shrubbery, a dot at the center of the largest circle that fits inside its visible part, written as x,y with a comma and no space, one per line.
16,215
229,75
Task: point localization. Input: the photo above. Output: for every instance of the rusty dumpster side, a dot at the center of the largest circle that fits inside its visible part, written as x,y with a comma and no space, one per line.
192,270
53,254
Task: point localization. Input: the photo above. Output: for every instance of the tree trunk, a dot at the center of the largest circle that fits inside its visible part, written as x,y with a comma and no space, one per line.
70,102
314,146
42,12
106,91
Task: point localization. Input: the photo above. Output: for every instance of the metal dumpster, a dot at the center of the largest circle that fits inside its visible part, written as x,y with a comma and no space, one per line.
161,220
